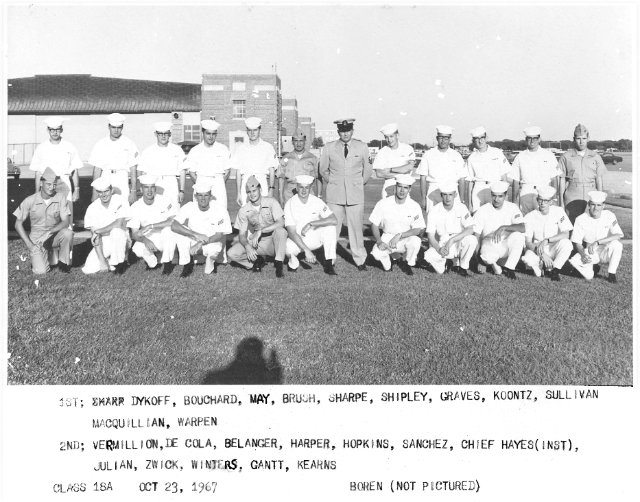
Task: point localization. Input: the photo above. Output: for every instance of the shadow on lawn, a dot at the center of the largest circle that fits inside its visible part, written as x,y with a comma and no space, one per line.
249,367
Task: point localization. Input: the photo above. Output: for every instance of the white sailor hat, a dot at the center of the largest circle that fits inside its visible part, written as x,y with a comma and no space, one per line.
499,187
116,119
546,192
389,129
304,179
597,197
162,126
404,179
201,186
444,130
478,132
147,179
253,122
448,187
54,122
532,131
209,125
101,183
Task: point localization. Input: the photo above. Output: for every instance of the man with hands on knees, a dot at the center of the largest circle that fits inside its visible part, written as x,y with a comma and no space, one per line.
310,224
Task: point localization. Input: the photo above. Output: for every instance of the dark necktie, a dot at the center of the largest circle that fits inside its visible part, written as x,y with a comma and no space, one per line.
346,150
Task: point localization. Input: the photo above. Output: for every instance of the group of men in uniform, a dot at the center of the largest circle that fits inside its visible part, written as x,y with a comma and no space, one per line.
467,214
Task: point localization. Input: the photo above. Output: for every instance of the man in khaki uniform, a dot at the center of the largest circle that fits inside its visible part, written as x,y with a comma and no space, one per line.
344,164
294,163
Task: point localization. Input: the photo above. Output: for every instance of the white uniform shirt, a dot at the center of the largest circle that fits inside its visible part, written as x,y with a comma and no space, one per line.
487,218
118,155
98,216
590,229
534,169
447,222
539,226
254,159
489,165
62,158
143,214
213,220
387,158
299,214
396,218
162,161
440,167
209,161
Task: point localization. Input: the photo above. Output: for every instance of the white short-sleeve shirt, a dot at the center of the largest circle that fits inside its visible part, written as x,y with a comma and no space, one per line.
446,222
442,167
162,161
590,229
118,155
208,160
534,169
388,158
539,226
159,210
254,159
213,220
488,219
396,218
62,158
299,214
488,166
98,216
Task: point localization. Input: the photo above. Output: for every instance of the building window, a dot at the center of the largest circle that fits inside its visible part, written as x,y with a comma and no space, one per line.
239,86
239,108
192,133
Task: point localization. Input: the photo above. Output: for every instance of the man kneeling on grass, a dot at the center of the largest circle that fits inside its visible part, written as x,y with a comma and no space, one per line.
547,236
106,217
596,238
260,223
201,226
402,223
310,224
50,238
150,225
499,227
450,233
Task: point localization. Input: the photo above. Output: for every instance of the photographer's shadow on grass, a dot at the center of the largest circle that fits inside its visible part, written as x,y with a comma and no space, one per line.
249,367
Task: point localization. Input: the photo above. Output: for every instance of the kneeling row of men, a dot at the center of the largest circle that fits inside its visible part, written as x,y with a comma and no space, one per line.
497,232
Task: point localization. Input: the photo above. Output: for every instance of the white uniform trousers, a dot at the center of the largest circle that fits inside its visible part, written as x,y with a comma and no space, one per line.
114,248
353,214
212,252
119,181
316,237
559,252
610,253
480,194
509,250
408,248
461,251
164,240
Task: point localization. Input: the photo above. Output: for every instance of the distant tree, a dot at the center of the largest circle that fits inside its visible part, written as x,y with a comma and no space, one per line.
376,143
317,142
625,145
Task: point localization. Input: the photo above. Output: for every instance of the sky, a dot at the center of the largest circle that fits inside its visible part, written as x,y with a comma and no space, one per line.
500,66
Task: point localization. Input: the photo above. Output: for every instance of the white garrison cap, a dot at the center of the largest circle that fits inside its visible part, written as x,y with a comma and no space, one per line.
162,126
532,131
209,125
116,119
404,179
478,132
546,192
54,122
201,186
499,187
253,122
389,129
304,179
448,187
101,183
147,179
444,130
597,196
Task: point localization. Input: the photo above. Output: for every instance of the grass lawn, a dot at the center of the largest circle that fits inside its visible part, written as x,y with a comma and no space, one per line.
356,328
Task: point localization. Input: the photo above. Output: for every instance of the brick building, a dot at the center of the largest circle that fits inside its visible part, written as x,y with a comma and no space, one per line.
309,128
289,116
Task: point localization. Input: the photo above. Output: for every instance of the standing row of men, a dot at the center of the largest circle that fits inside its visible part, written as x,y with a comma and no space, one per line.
345,166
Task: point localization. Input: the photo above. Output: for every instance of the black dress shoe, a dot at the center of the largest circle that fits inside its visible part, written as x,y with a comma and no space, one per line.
328,269
596,270
168,268
507,272
291,269
64,268
555,274
279,269
258,264
463,272
362,268
612,278
305,265
120,268
404,266
187,270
